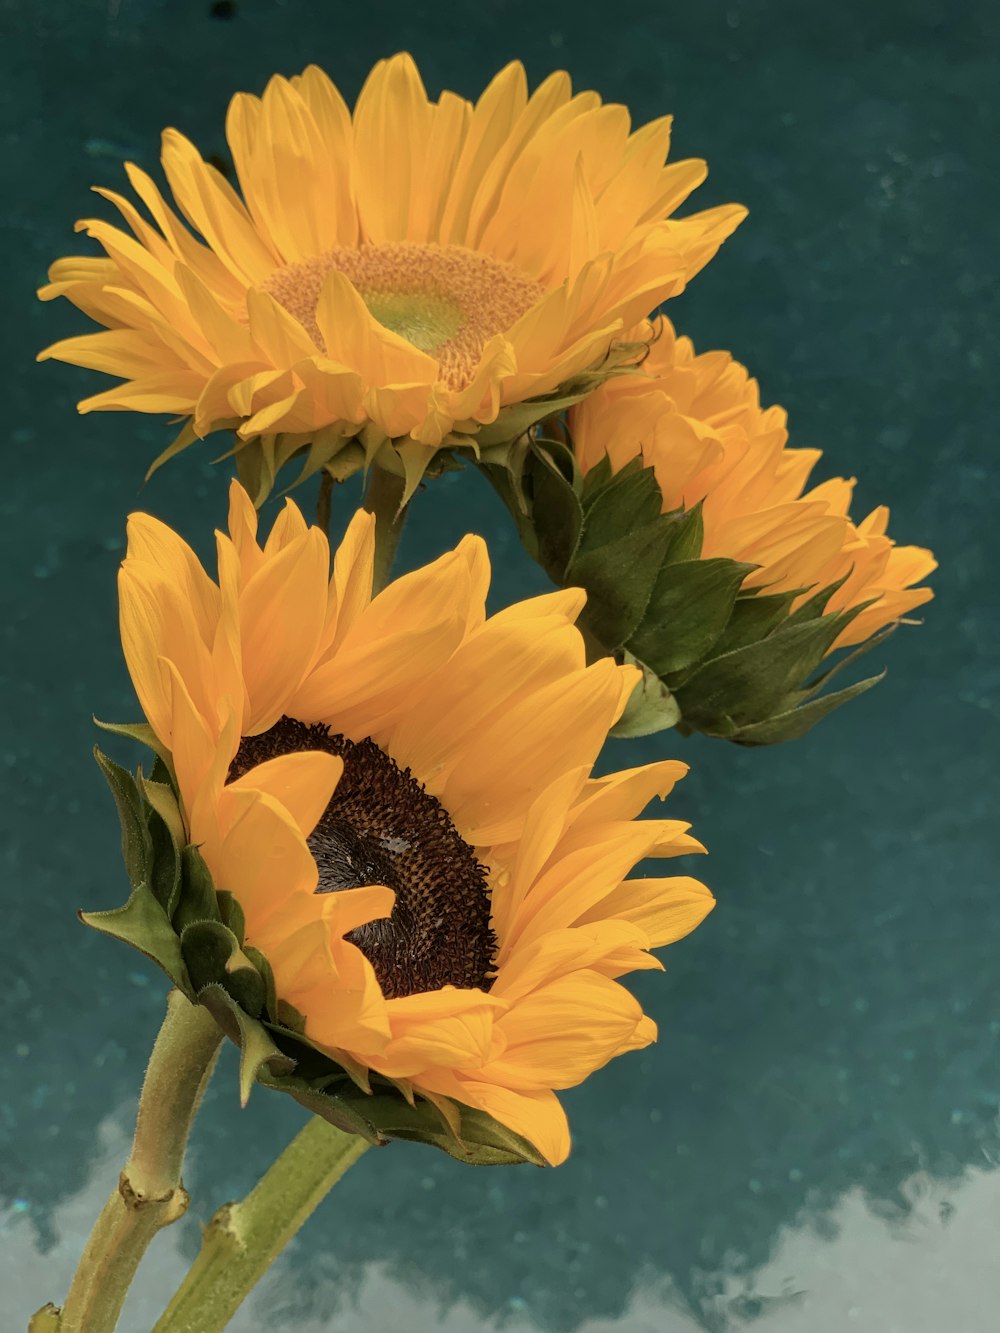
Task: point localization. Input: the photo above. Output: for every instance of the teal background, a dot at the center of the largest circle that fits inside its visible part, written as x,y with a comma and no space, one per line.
812,1144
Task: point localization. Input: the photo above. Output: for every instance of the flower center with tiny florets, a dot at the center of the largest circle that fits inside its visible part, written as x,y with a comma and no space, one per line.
444,299
382,827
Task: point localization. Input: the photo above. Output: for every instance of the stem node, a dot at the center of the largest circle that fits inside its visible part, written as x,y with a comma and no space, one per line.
149,1194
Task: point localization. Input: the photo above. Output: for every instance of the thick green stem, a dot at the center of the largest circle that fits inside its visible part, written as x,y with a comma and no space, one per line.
149,1194
323,502
243,1239
383,499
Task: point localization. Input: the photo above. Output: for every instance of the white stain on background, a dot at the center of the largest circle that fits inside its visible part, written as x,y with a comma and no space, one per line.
931,1270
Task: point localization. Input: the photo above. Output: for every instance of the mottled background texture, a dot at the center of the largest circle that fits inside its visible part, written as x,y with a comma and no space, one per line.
810,1148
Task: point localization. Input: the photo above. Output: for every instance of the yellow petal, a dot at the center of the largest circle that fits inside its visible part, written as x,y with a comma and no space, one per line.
665,909
302,782
282,613
565,1030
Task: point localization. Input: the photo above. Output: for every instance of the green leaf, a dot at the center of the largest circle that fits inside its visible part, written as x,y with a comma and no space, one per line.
796,722
137,848
688,610
143,923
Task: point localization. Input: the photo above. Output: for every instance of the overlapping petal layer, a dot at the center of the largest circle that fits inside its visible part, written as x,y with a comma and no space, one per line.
415,267
500,719
697,421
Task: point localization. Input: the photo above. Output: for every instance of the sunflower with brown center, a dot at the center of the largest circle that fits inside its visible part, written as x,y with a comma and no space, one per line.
412,271
397,791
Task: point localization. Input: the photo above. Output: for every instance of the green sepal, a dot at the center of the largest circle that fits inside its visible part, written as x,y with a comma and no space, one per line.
381,1116
183,440
198,900
859,651
231,914
754,616
331,453
690,606
716,657
165,867
620,502
794,723
619,578
260,1058
650,708
687,535
558,542
267,977
760,680
213,955
144,924
137,848
515,421
141,732
158,791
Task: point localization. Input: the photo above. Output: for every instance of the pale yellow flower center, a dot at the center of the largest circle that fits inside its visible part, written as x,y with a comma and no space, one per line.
445,300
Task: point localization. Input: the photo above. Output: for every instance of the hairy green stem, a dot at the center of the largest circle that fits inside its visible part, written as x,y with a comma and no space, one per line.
383,499
243,1239
149,1194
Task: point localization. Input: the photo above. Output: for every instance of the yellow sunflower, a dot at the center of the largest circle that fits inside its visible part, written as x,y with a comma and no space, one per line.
410,271
397,790
697,421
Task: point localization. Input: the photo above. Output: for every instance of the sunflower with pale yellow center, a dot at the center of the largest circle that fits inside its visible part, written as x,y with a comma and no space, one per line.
398,792
696,420
410,272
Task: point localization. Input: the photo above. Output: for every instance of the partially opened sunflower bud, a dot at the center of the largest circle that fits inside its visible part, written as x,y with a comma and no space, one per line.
414,276
671,497
372,843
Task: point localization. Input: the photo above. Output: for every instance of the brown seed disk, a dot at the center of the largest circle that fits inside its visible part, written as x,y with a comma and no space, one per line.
470,296
382,827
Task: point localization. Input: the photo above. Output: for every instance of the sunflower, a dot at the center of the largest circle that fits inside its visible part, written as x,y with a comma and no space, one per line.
409,273
696,420
397,791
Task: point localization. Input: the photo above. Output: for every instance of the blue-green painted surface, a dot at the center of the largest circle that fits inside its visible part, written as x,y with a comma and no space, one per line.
811,1145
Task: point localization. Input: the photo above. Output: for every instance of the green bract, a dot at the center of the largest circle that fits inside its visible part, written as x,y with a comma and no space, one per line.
716,657
343,450
177,918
